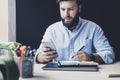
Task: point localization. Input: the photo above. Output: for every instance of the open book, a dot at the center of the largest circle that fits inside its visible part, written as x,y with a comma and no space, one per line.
76,63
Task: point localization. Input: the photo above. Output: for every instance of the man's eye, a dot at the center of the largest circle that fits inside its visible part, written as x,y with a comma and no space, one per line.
71,9
62,9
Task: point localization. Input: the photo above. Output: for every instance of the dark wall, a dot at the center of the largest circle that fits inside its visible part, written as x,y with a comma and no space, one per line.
32,19
34,16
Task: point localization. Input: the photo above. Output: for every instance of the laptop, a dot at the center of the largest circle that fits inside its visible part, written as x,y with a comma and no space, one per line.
81,67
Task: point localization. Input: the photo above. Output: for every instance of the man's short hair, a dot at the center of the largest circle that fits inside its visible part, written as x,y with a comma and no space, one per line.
77,1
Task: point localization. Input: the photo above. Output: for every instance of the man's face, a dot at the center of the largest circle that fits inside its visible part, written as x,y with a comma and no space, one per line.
69,11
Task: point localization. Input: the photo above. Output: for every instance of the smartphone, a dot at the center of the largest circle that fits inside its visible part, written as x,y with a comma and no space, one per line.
49,44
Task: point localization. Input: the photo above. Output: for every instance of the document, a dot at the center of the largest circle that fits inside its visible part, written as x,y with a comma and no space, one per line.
77,63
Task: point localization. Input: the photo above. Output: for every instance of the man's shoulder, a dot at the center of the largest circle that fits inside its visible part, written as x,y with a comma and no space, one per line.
53,25
90,23
56,23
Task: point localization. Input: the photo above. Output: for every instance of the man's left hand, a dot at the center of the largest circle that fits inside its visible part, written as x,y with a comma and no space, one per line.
82,56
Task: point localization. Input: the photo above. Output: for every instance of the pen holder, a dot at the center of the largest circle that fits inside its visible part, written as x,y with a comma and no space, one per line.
25,65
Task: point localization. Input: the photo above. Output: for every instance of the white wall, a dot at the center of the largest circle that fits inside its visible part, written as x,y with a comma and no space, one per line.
7,20
4,20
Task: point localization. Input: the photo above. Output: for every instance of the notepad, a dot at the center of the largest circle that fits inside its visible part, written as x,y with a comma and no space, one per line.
71,66
113,74
77,63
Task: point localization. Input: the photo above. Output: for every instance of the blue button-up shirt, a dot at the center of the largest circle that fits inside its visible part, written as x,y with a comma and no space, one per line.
86,33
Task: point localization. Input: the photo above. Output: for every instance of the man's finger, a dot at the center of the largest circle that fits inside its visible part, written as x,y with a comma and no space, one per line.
46,49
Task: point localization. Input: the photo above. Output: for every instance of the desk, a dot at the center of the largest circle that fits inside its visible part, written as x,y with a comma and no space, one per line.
40,74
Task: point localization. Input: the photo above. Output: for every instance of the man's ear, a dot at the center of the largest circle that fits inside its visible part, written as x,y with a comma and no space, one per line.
80,8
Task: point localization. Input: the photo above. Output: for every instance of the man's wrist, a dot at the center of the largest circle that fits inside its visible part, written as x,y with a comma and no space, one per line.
39,59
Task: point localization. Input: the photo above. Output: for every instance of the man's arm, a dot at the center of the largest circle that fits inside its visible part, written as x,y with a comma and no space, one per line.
102,47
96,58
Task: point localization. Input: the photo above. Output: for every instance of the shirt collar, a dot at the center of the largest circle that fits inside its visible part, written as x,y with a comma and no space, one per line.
79,23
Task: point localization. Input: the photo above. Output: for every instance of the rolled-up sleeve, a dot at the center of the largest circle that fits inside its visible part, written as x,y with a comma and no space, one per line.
103,47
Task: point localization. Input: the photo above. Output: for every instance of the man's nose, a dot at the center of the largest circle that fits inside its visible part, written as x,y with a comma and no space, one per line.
66,13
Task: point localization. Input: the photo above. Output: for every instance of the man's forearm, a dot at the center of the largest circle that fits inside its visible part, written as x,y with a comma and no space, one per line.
98,59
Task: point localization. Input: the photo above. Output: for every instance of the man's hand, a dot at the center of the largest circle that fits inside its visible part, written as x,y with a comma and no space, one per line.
82,56
47,55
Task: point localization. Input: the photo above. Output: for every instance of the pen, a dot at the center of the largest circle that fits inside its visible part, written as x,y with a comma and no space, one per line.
27,51
79,50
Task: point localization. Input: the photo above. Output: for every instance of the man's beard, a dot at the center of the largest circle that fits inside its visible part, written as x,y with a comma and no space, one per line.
73,23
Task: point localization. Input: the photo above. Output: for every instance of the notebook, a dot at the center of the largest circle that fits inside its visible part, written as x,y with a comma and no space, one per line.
71,66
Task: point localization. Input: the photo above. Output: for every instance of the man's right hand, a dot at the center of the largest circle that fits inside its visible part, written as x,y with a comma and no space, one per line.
47,55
